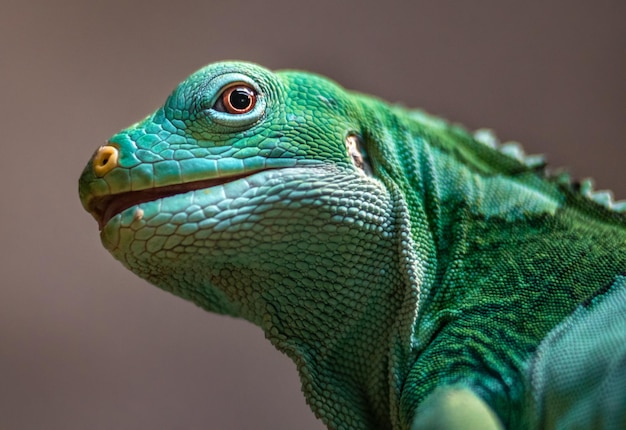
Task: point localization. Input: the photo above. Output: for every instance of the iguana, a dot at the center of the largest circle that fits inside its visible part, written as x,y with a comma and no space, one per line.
420,276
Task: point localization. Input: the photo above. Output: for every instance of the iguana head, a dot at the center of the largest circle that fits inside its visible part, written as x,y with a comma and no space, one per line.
245,185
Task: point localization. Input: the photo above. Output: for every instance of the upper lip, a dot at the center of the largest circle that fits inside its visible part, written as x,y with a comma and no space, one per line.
103,208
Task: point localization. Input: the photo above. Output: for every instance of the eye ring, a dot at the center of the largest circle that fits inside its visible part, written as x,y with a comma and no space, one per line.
236,99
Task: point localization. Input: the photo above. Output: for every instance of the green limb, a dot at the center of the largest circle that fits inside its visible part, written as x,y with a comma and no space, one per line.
452,408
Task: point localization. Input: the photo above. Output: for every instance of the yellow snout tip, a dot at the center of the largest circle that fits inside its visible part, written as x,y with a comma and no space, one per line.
105,160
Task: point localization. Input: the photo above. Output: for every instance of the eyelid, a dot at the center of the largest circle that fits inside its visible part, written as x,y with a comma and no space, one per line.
218,115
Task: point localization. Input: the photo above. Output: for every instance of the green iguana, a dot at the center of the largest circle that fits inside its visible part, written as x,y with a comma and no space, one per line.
420,276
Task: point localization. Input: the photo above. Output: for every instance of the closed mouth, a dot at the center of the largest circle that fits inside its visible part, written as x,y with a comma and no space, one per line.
106,207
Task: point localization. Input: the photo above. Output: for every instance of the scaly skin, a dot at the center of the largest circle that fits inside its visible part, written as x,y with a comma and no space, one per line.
410,270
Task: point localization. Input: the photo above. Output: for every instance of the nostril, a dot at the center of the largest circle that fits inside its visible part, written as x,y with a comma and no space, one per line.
105,160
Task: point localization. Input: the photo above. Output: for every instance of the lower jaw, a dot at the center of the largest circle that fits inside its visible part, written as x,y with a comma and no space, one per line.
106,207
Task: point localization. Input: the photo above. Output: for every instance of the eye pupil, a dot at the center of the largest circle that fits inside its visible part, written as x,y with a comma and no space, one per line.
240,99
237,99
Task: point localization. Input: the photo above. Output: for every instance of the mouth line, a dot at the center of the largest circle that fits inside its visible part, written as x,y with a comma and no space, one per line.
106,207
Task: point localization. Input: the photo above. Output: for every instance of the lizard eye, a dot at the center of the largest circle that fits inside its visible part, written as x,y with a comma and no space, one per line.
236,99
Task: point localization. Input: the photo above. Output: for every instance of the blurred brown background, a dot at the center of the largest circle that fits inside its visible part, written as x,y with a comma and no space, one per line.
84,344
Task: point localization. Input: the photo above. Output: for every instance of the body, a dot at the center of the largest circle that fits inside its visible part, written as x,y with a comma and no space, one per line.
417,274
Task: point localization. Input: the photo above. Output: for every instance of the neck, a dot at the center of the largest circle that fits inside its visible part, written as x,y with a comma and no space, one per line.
338,329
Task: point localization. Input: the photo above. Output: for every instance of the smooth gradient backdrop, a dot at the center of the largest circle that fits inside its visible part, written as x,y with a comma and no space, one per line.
85,344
